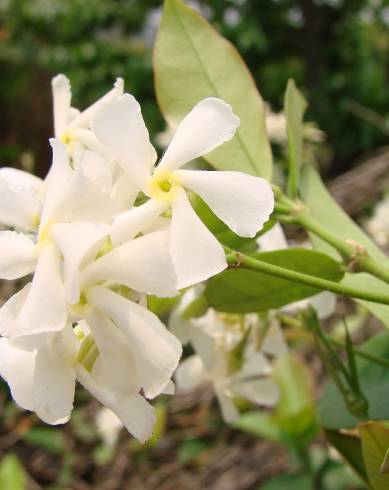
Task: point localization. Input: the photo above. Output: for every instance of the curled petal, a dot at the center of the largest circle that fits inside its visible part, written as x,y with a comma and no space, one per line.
208,125
156,351
128,224
190,373
143,264
196,253
10,310
119,126
44,310
17,255
79,243
62,97
17,368
136,414
55,378
242,201
20,198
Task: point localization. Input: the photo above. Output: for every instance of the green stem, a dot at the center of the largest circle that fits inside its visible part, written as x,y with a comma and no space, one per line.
295,323
354,254
237,259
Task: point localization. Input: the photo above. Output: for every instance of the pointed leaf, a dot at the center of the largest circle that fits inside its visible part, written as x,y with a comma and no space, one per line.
323,207
294,106
244,291
192,62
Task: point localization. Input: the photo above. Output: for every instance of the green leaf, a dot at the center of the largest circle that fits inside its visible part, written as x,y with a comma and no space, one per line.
295,411
375,443
349,446
52,440
192,62
374,383
261,425
294,106
12,474
244,291
324,208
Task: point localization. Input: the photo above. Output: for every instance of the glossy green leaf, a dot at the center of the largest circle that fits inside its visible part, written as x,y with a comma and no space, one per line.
191,62
294,106
349,446
375,444
323,207
244,291
374,382
12,474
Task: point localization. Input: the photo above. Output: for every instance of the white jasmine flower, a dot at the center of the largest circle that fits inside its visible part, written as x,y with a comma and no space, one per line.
70,125
226,357
242,201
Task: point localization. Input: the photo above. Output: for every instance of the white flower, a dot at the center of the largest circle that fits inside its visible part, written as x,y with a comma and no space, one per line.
226,357
72,126
242,201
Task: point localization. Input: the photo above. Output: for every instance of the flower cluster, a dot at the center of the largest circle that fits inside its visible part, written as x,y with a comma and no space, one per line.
103,230
233,353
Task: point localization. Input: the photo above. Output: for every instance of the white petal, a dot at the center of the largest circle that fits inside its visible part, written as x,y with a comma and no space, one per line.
108,426
262,392
155,349
54,381
17,368
242,201
274,343
136,414
169,389
96,169
56,181
143,264
128,224
324,303
20,198
86,116
17,255
10,310
62,96
44,309
208,125
115,365
274,239
79,243
119,126
228,408
190,373
196,253
124,191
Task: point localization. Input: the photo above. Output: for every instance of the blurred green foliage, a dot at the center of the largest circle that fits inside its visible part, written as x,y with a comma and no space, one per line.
336,50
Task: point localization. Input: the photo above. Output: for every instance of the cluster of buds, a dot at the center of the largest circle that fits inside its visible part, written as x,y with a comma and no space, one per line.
106,228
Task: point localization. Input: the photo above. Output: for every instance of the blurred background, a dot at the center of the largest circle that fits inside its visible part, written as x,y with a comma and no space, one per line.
338,53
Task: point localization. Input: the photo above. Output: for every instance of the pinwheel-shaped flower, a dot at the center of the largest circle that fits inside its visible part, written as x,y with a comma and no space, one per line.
242,201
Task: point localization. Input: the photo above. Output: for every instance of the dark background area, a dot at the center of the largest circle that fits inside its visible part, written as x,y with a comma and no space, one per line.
336,50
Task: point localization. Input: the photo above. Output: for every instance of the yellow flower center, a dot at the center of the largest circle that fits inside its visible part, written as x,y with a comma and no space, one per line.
66,138
164,186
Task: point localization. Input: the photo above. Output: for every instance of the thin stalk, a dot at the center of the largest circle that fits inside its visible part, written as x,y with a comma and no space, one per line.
237,259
